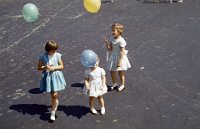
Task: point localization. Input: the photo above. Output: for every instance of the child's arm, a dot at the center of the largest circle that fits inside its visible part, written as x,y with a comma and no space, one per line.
41,67
121,56
59,67
86,81
103,77
108,45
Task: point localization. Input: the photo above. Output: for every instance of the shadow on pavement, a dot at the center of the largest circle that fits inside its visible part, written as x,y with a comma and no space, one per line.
42,110
33,109
35,91
76,110
77,85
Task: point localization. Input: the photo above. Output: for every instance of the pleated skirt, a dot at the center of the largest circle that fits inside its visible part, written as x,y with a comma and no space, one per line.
95,89
113,60
52,81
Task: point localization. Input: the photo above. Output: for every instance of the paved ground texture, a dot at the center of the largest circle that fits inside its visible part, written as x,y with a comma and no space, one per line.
162,86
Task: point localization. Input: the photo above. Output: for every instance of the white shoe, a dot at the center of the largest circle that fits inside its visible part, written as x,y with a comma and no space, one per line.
180,1
93,110
57,103
121,88
53,115
103,111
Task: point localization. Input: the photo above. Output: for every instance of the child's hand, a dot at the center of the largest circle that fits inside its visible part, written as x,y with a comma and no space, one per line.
118,64
87,88
51,69
106,39
101,88
46,66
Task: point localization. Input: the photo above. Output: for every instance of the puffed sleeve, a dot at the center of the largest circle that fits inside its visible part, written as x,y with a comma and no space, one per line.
122,42
111,39
40,57
43,59
103,73
58,55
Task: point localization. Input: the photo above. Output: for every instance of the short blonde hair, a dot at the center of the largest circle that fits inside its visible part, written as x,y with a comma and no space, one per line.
118,27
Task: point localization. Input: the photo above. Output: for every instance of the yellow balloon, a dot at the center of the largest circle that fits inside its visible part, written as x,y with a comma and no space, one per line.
92,5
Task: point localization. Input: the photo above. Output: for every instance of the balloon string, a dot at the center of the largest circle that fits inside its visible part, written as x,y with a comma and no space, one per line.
110,18
107,55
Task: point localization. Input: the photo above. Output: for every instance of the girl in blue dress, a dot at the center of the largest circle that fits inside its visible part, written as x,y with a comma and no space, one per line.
52,79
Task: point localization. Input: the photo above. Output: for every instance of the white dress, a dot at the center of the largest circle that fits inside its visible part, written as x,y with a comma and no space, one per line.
115,55
95,82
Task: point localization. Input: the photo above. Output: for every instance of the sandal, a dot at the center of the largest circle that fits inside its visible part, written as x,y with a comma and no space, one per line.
121,88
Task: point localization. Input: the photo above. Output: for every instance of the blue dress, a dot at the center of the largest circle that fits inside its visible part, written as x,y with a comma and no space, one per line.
51,80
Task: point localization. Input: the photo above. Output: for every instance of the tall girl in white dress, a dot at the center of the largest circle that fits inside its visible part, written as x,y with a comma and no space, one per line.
95,86
118,60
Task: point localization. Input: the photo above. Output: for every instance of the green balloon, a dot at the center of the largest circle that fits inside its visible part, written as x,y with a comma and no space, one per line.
30,12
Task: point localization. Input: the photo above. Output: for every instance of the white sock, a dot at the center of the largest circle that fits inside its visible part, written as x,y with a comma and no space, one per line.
114,84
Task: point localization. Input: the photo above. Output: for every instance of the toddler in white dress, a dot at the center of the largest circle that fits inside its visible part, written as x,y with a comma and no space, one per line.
95,86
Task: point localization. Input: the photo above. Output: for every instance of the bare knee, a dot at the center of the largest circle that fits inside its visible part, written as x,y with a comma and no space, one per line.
112,72
54,95
121,73
91,98
99,97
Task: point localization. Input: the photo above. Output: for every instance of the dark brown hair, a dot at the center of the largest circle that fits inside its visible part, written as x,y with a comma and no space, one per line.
51,45
118,27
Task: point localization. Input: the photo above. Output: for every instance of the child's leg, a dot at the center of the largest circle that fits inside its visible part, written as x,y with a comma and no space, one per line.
122,79
101,101
121,76
91,99
54,98
113,76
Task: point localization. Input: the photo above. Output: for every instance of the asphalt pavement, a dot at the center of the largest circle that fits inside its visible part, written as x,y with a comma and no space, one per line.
162,86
